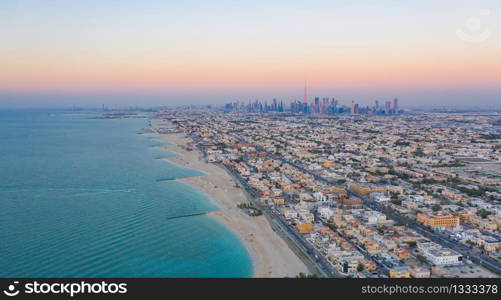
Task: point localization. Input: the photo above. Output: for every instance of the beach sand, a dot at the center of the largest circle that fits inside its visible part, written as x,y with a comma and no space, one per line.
270,254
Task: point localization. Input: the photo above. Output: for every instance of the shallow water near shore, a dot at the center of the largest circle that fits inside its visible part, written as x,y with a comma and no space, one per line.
81,197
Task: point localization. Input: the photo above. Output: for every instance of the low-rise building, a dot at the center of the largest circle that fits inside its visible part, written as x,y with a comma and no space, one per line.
440,256
420,272
278,201
402,253
438,221
399,272
304,228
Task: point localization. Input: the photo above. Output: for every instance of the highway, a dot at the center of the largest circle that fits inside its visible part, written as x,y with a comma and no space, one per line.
438,238
319,261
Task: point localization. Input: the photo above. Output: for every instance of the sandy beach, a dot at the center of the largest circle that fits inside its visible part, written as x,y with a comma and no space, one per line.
271,255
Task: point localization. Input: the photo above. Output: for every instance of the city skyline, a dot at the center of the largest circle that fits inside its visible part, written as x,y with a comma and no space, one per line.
293,139
316,106
59,53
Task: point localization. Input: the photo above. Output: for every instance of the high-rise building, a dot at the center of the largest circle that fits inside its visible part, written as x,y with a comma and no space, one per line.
395,104
316,106
305,99
387,106
354,107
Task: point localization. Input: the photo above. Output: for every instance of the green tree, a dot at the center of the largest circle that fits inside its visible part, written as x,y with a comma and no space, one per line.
483,213
421,258
360,268
303,275
436,207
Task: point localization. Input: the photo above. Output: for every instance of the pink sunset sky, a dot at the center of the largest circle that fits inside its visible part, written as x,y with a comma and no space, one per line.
199,52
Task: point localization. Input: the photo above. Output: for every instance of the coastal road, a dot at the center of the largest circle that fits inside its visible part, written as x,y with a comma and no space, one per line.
302,248
314,258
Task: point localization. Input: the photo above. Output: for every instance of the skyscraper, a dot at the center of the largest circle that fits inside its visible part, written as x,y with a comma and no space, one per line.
387,107
395,104
354,107
305,99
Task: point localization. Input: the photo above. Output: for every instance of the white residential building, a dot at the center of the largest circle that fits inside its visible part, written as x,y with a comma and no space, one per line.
325,212
320,197
441,256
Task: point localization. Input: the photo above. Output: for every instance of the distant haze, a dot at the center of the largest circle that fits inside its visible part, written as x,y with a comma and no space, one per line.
152,52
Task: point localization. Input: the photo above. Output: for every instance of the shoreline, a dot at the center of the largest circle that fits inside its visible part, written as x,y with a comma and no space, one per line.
270,254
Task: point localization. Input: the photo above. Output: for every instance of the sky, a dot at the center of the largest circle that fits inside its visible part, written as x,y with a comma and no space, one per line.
149,52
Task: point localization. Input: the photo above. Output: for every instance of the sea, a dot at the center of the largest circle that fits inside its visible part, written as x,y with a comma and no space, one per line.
87,197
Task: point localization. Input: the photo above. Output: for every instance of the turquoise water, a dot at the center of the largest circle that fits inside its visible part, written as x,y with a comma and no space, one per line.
79,197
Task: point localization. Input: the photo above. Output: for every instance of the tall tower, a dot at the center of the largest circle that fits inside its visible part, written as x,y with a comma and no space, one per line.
305,99
395,104
387,106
